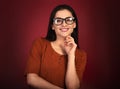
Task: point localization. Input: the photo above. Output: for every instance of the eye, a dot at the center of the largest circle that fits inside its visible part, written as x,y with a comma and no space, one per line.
69,19
57,21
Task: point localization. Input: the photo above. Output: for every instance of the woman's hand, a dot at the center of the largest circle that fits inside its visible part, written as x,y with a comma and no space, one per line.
70,46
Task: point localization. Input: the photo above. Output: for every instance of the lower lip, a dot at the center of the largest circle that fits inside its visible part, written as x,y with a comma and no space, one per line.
64,30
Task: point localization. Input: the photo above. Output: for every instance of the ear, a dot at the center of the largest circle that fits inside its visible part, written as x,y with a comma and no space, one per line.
53,27
74,25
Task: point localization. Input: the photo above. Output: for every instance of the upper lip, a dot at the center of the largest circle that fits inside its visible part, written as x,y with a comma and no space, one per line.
64,28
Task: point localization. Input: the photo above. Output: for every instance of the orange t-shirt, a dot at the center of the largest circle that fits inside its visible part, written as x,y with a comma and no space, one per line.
50,65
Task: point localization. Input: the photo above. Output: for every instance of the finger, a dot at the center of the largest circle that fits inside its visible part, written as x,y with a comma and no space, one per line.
68,37
69,40
70,43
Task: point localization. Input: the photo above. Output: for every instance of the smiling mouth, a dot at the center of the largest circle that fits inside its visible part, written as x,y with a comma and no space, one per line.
64,29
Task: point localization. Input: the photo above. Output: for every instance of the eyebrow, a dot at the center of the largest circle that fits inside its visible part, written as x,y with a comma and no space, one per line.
63,18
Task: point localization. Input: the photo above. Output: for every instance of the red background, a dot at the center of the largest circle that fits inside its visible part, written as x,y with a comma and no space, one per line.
21,21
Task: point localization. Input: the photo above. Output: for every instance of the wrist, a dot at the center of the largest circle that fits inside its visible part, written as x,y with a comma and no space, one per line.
71,56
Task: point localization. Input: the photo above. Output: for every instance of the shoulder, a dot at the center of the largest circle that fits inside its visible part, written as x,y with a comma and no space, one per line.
81,56
81,61
80,53
39,43
40,40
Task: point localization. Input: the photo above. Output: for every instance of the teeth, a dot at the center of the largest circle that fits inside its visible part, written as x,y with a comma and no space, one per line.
64,29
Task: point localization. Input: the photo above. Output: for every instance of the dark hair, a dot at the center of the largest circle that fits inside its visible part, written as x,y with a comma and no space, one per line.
51,36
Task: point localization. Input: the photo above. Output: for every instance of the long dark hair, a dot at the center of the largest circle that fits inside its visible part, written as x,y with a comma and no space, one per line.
51,36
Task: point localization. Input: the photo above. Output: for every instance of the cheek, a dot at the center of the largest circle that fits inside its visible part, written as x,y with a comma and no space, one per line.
71,30
56,27
72,26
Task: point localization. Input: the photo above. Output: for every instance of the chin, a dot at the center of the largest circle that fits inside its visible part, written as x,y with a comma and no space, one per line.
65,35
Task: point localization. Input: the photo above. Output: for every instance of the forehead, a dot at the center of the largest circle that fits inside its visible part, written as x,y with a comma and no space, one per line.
63,13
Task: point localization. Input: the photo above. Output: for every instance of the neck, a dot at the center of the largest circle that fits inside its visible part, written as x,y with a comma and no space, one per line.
59,41
58,46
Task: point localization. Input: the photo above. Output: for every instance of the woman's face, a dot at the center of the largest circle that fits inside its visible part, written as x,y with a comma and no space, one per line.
63,23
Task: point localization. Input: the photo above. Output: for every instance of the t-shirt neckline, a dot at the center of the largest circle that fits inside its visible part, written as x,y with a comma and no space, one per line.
55,51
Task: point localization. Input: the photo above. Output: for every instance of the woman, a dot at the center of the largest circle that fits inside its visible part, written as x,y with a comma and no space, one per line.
57,62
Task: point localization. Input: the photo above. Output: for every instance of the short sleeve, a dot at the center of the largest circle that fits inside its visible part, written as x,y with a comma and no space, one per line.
81,59
33,62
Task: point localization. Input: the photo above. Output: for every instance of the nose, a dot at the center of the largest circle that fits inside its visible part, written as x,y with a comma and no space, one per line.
64,23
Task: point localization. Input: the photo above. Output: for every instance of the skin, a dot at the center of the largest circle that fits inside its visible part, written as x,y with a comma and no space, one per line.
64,45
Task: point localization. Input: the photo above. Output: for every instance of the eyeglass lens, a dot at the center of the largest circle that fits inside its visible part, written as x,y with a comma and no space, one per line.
68,20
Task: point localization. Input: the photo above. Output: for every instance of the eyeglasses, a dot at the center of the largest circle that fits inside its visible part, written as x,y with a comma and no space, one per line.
59,21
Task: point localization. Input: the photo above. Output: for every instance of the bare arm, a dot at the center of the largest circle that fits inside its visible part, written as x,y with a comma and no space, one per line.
72,81
37,82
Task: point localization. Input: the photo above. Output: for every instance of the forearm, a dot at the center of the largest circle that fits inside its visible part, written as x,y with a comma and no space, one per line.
71,80
37,82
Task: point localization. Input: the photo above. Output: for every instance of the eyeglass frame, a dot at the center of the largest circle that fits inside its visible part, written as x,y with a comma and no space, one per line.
64,19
